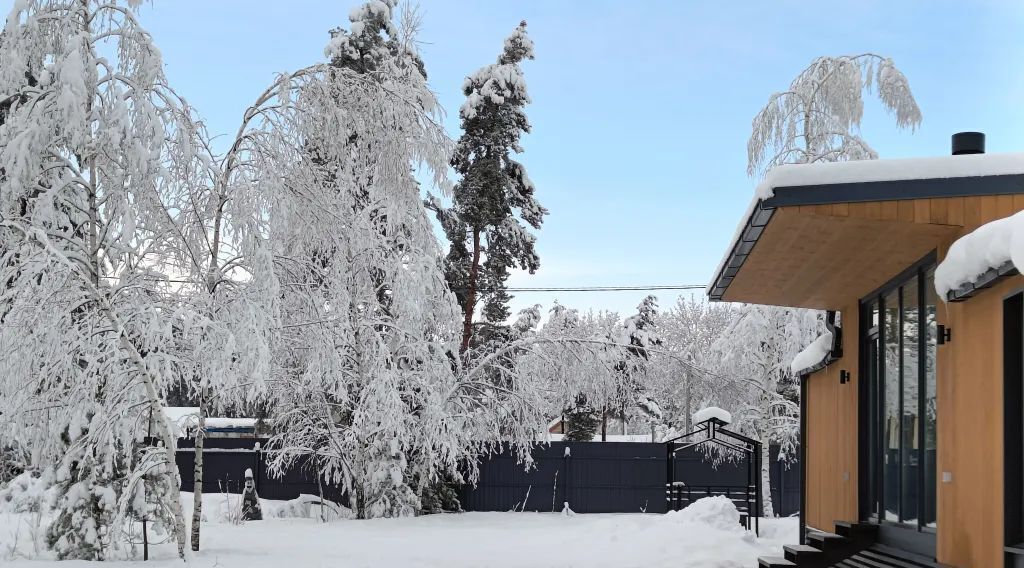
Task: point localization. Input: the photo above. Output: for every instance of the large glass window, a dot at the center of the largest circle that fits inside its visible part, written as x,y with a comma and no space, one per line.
891,404
899,375
930,408
911,348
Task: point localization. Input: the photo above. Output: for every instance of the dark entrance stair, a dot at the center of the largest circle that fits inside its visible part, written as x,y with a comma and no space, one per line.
853,545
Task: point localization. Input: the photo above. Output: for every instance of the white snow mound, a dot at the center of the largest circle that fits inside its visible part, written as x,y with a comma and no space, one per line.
813,354
717,512
989,246
27,493
712,412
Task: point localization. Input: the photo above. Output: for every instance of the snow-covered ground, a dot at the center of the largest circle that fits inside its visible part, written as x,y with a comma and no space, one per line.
706,535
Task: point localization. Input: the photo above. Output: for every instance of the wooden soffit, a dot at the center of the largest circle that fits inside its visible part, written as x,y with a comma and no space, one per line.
810,258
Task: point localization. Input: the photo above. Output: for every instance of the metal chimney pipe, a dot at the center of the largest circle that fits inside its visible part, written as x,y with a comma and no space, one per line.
968,143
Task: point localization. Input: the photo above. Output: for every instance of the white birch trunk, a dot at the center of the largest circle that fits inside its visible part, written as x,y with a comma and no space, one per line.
766,482
197,486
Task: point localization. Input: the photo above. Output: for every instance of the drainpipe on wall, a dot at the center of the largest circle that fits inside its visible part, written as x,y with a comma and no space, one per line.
803,459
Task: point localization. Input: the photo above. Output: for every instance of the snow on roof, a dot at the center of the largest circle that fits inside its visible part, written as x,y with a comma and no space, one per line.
632,438
177,413
989,246
184,417
813,354
231,422
860,171
710,412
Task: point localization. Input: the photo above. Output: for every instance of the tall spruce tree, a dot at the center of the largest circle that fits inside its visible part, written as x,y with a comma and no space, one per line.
494,200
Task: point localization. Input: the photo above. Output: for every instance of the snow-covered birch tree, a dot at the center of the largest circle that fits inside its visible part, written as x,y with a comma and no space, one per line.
817,119
364,366
755,382
686,374
90,136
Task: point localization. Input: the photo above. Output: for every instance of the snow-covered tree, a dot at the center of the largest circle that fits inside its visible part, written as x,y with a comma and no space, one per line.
494,197
686,371
756,383
90,139
364,369
817,119
634,341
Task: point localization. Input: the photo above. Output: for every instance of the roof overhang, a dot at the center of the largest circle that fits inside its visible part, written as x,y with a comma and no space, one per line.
786,252
821,261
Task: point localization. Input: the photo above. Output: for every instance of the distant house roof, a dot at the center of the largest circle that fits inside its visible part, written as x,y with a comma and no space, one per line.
184,417
864,181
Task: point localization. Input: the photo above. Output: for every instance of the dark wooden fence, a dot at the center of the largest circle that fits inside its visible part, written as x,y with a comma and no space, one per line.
225,461
593,477
611,477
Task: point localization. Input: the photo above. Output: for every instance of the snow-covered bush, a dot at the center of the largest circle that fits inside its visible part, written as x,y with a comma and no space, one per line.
29,492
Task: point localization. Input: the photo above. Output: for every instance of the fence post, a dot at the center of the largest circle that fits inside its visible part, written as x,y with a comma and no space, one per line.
566,454
258,469
782,490
670,473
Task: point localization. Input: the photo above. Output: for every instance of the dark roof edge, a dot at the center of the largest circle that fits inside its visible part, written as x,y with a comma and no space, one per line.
857,192
985,280
893,190
747,238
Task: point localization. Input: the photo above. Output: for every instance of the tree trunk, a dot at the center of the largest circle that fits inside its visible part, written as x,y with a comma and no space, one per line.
470,307
360,502
766,482
604,423
204,393
170,443
197,486
688,416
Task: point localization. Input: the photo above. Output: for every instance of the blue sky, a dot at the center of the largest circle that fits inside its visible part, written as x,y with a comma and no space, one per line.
641,110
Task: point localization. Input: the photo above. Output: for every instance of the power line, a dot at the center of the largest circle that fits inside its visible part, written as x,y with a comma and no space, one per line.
608,288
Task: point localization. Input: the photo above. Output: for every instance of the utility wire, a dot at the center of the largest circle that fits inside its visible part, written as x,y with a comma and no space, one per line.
511,289
587,288
609,288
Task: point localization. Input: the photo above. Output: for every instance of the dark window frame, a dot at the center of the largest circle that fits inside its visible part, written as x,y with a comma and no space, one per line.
1013,426
867,502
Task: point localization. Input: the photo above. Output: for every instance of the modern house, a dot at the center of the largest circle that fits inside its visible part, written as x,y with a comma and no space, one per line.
913,429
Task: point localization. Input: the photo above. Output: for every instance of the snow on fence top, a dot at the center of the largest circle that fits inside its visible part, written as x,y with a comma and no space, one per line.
862,171
813,354
710,412
989,246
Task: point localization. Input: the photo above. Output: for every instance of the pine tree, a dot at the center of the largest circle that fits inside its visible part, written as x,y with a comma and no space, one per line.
638,335
582,421
495,197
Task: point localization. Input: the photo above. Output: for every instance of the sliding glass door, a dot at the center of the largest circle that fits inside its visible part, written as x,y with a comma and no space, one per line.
898,345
